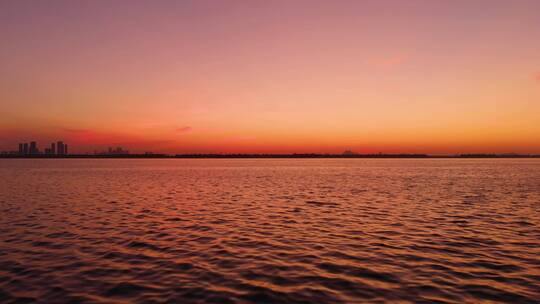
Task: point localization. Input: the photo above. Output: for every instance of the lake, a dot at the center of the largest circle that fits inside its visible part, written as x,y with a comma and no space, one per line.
270,230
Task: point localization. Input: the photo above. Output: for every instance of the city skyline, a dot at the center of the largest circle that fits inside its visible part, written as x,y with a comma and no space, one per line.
60,149
437,77
32,148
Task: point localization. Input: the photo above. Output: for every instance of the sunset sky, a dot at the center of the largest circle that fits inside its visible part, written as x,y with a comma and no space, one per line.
272,76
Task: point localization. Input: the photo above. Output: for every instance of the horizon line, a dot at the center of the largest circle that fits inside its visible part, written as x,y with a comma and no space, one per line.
274,155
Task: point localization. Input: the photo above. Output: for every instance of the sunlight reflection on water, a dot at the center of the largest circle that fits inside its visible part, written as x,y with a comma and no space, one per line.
270,231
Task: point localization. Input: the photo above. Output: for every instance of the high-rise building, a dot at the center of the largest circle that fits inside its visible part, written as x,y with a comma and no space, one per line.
65,149
21,149
25,148
33,148
53,149
60,147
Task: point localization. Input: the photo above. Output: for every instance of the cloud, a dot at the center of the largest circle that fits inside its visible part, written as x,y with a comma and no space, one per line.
184,129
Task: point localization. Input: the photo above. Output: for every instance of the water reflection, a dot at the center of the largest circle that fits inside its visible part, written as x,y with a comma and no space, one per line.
270,231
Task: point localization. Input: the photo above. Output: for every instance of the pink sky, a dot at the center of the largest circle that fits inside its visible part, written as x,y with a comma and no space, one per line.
272,76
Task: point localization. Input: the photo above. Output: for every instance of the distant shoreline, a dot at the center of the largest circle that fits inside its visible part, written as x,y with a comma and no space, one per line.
209,156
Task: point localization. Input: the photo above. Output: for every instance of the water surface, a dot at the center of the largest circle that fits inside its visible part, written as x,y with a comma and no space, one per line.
270,230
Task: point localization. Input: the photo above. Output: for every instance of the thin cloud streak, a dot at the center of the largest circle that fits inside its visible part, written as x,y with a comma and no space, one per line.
184,129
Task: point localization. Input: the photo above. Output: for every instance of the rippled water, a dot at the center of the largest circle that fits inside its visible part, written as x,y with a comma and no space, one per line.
270,231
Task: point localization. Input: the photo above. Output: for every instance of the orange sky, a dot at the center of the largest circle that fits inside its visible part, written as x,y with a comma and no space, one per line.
272,76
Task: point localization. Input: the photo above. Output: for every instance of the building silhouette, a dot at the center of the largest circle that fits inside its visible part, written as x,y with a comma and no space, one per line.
118,151
33,148
113,151
58,148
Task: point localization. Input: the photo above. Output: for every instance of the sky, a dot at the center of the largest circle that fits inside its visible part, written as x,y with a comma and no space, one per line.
258,76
